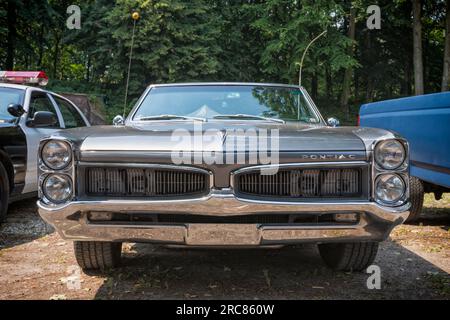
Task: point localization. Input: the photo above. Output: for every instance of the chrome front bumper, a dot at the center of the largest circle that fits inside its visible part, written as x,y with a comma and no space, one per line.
70,220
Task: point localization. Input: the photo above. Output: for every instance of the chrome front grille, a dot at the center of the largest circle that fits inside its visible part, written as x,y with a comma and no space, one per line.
296,183
136,182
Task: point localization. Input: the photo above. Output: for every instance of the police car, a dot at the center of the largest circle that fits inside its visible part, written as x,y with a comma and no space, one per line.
27,114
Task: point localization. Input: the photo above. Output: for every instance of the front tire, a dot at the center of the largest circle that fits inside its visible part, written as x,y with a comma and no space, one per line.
356,256
98,255
4,193
417,195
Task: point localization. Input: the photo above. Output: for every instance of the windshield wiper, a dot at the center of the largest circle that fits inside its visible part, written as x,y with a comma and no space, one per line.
169,117
248,116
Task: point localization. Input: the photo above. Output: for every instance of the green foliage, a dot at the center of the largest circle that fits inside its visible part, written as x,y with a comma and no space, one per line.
288,27
175,41
218,40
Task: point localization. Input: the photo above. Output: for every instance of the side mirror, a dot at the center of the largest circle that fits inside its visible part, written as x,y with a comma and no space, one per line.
118,121
333,122
43,119
16,110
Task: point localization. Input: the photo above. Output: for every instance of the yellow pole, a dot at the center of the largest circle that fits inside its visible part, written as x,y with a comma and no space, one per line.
135,16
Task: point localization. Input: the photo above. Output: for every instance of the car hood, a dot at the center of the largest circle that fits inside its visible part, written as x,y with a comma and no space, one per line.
215,136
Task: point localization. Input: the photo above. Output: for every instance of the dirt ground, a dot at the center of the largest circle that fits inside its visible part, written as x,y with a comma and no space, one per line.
35,263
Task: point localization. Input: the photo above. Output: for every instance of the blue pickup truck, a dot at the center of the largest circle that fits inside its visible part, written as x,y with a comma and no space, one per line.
425,122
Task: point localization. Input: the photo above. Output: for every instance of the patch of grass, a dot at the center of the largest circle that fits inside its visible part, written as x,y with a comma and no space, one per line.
401,231
440,282
435,249
431,202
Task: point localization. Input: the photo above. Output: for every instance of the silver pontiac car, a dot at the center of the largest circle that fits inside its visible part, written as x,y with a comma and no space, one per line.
225,165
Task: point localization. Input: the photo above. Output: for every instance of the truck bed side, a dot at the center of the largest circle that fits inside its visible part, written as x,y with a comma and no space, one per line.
425,122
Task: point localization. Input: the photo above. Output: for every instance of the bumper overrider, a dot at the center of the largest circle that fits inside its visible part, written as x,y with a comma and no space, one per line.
72,222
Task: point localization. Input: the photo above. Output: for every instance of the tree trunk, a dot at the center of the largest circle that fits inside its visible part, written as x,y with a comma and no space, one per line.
41,47
56,56
446,71
410,80
314,82
406,83
368,57
12,35
369,89
425,65
349,70
88,68
418,51
328,81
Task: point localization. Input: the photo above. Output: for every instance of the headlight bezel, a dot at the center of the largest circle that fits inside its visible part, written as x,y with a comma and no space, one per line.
402,163
45,191
399,200
65,164
44,171
403,171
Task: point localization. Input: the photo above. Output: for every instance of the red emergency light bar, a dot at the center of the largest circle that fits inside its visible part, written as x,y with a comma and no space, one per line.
24,77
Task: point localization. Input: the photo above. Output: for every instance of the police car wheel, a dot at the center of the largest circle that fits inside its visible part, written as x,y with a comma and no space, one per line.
4,192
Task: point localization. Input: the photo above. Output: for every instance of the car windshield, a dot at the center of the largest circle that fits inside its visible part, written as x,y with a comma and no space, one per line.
7,97
226,102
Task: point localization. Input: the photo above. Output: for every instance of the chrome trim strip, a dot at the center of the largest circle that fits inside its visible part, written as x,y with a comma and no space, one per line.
143,166
330,165
136,107
222,203
313,106
251,84
155,156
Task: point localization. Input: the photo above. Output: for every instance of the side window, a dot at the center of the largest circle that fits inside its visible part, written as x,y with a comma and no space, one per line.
41,102
72,118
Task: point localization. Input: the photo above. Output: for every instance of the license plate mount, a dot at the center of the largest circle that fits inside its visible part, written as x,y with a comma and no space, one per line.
223,235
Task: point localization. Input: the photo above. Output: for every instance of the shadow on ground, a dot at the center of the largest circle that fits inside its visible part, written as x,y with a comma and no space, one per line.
434,217
153,272
22,225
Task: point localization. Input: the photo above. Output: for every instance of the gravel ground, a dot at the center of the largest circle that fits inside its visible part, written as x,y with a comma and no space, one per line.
35,263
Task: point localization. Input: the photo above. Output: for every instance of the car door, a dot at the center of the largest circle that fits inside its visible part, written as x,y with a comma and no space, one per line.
72,116
36,100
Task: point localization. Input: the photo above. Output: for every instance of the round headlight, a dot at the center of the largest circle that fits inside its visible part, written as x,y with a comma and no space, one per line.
390,188
56,154
390,154
57,188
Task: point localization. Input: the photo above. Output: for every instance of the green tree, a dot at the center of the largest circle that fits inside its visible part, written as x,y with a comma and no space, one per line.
227,40
288,27
176,40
